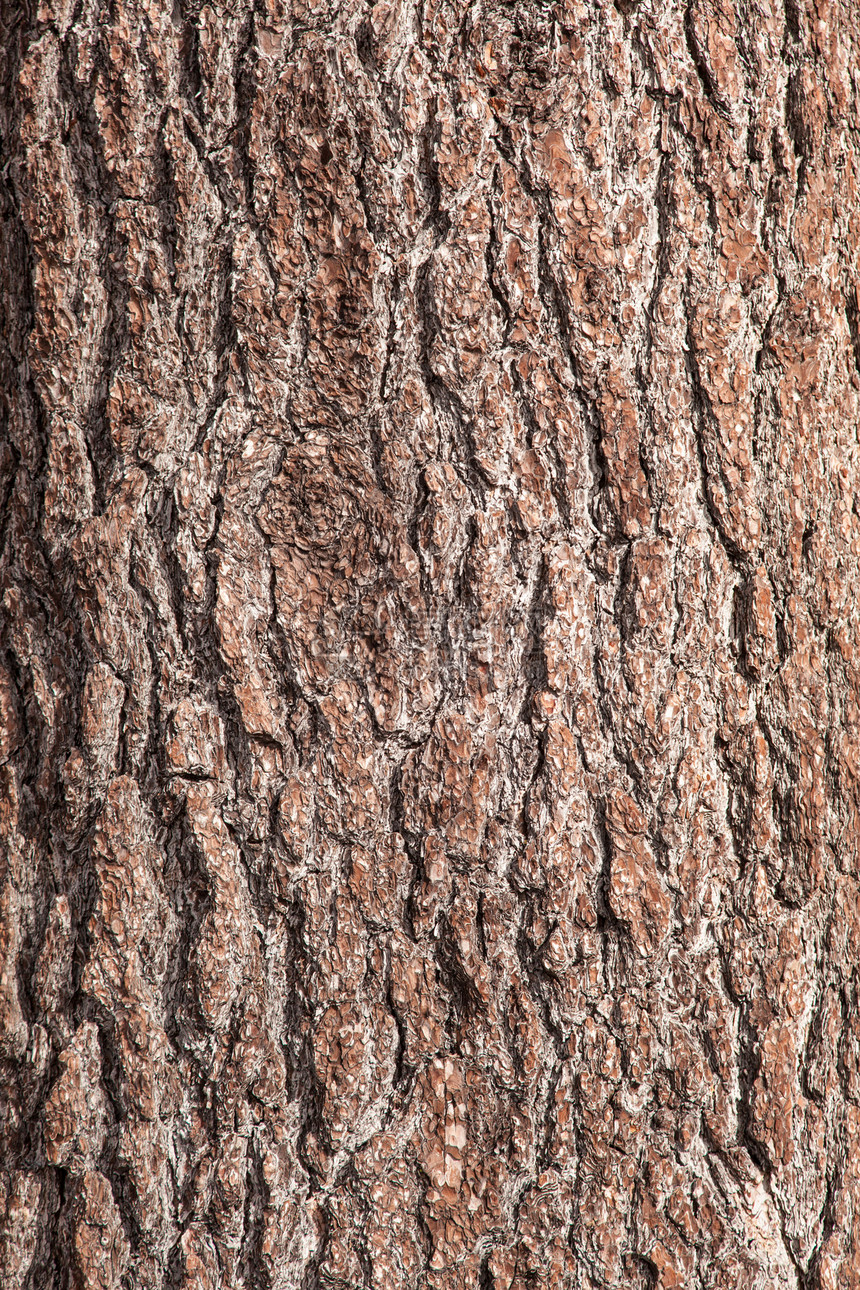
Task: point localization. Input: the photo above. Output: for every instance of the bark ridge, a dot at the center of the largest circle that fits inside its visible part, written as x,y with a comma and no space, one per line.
429,671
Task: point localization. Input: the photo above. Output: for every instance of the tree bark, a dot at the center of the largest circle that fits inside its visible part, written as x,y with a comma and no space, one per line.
430,681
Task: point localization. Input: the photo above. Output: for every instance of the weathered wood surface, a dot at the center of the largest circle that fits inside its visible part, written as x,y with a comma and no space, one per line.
430,691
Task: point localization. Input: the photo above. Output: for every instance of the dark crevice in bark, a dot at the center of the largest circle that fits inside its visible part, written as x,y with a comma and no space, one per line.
191,77
539,439
449,409
491,259
703,422
643,366
852,315
190,893
700,62
437,216
798,132
252,1270
556,305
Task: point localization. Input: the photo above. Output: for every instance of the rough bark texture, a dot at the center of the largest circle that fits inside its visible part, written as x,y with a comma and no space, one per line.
430,677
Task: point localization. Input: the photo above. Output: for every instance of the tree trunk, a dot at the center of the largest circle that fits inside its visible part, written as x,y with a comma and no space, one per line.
430,680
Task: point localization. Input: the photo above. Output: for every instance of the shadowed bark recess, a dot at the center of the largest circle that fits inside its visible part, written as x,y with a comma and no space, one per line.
429,667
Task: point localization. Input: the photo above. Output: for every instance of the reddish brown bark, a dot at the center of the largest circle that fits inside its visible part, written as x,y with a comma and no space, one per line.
429,676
